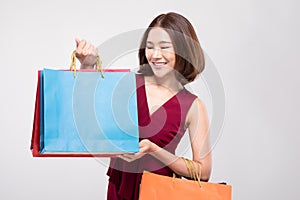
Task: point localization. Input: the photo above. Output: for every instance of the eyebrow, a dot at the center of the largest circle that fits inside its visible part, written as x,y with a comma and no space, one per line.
161,42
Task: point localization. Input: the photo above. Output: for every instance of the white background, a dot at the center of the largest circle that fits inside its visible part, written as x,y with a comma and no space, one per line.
254,45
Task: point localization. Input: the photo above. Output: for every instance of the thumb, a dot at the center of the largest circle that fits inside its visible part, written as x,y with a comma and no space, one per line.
77,40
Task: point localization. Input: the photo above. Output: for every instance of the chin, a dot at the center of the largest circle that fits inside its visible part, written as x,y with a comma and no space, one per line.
162,73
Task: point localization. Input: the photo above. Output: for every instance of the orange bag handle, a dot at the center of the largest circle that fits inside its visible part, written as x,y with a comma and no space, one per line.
195,174
73,64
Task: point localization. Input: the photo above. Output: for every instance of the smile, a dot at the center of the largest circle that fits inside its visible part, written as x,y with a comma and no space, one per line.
159,64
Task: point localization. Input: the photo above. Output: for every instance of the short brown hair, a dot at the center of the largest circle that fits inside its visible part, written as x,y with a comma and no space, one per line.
189,55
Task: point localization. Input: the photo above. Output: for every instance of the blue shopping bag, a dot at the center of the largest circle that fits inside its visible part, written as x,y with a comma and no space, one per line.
88,113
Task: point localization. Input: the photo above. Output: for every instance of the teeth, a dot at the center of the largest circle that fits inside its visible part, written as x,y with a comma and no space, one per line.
159,63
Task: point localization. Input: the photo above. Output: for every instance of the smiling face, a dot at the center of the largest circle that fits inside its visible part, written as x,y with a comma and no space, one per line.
160,52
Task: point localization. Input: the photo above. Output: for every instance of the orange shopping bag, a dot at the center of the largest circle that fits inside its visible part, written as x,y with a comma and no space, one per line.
158,187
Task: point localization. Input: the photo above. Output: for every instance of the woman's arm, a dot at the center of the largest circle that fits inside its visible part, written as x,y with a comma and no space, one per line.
198,127
196,120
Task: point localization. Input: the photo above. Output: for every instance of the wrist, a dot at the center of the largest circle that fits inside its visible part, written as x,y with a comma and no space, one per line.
154,148
86,66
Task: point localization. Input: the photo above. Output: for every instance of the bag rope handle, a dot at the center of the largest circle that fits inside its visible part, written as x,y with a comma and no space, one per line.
195,174
73,64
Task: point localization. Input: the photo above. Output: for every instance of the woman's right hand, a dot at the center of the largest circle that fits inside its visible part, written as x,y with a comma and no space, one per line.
86,53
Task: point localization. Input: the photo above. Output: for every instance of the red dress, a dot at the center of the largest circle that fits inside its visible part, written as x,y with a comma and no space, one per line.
165,127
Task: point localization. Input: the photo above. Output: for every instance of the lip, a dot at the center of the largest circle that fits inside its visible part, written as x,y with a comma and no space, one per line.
158,65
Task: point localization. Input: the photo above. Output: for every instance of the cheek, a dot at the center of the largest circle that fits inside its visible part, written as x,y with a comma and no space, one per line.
172,60
170,56
148,54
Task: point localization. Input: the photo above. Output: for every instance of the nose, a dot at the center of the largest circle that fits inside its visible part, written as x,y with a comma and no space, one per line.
157,53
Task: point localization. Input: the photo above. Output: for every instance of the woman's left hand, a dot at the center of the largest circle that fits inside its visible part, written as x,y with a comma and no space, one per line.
146,146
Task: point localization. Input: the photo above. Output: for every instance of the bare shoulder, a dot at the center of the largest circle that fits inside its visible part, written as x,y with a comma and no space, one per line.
197,106
197,109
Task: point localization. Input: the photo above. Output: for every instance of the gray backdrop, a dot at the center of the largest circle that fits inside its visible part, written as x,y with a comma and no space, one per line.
253,44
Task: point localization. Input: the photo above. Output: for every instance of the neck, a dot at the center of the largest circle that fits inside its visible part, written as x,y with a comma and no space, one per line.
169,81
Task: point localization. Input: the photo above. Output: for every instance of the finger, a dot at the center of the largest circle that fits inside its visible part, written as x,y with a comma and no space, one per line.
124,158
134,156
129,156
77,40
87,46
86,49
92,50
81,46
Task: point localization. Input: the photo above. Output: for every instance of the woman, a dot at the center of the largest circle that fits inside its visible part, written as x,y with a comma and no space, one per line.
170,56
